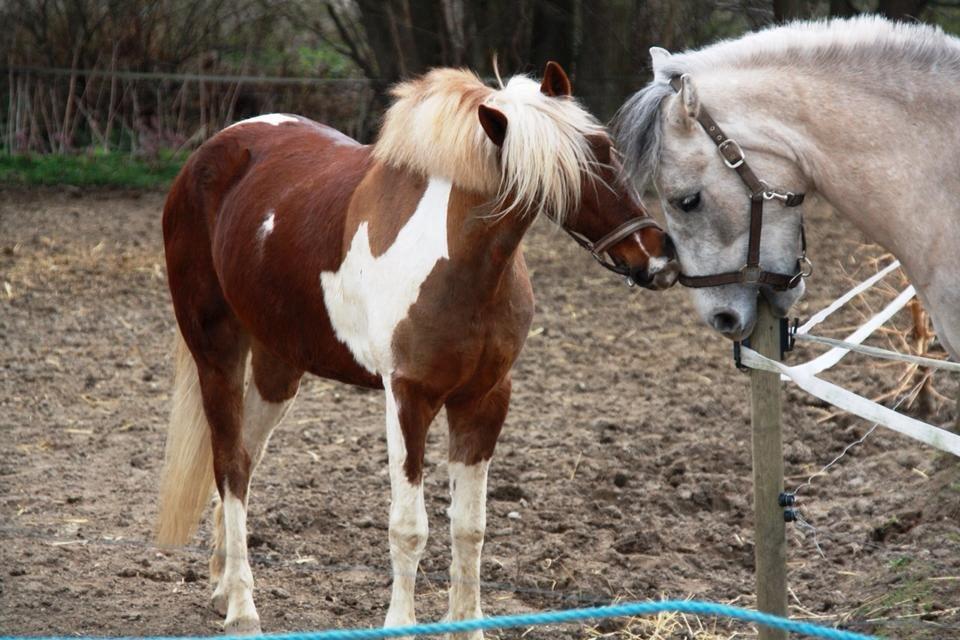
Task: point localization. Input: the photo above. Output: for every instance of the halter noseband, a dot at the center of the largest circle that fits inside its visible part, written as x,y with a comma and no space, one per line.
760,192
599,249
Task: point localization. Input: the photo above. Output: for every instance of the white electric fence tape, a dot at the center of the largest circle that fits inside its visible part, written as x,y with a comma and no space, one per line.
857,405
833,356
885,354
822,315
805,375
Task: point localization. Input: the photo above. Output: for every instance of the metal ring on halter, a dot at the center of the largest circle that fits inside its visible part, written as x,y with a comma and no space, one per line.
806,269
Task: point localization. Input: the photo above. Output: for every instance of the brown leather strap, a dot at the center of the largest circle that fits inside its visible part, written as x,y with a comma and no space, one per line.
756,229
599,248
623,231
779,281
733,157
729,148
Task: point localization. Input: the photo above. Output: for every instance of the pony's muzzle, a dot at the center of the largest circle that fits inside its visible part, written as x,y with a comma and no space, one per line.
660,272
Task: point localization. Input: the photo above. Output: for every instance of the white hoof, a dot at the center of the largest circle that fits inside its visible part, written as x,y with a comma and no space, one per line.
468,635
399,620
219,602
243,627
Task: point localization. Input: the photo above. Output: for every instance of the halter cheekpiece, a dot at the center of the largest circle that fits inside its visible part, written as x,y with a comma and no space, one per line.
751,272
599,248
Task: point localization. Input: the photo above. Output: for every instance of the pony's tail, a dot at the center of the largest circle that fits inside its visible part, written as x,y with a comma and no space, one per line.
187,477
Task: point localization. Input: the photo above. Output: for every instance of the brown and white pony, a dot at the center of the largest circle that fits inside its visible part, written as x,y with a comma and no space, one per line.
394,266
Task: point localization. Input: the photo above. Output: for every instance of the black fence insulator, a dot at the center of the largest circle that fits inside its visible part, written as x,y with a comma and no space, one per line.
736,355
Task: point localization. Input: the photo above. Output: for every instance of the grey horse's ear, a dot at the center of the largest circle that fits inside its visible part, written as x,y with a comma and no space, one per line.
691,99
685,108
658,56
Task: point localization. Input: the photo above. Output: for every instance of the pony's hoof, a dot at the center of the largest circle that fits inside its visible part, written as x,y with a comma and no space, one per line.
219,602
242,627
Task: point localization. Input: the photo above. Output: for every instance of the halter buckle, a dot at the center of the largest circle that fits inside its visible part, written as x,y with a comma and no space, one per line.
732,161
750,274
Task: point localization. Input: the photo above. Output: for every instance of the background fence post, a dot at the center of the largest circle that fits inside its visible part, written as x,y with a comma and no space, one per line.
770,539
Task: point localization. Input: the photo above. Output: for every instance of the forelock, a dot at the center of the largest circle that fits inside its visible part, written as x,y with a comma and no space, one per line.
638,130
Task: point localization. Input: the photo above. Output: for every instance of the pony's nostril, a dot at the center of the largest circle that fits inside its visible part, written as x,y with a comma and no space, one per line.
642,277
726,322
673,267
669,250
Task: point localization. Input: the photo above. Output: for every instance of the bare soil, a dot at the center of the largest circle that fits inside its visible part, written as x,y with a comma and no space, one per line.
623,472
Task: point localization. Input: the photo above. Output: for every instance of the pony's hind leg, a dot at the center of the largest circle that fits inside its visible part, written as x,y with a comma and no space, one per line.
410,410
221,361
269,395
475,425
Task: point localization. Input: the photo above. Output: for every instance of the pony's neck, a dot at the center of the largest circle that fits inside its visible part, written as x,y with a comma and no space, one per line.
885,155
484,241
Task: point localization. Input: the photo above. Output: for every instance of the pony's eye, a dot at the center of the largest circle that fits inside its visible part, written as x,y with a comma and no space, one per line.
688,203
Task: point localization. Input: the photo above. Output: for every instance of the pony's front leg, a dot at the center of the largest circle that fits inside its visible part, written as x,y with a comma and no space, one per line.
409,414
474,428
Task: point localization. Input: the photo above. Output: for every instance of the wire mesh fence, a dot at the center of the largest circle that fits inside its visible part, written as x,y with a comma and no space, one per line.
53,110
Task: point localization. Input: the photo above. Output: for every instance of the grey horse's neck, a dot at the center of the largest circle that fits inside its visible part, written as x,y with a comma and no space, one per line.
884,154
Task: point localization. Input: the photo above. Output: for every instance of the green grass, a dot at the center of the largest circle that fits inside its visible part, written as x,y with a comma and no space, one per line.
102,169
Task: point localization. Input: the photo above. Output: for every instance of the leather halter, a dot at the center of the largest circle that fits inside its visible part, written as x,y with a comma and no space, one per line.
600,248
751,273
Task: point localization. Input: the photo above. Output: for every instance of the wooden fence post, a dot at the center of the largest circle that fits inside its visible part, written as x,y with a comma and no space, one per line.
770,537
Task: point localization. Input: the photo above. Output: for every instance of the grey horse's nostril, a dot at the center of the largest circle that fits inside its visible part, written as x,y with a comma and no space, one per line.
726,322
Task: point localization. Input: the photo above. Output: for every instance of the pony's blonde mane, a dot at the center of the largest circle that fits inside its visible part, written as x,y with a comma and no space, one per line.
433,128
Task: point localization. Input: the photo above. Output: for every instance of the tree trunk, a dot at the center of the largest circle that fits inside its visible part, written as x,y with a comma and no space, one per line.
388,32
608,63
786,10
454,16
842,8
901,9
554,35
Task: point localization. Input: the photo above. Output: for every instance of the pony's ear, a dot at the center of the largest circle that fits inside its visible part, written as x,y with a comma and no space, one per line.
555,81
685,108
658,56
494,123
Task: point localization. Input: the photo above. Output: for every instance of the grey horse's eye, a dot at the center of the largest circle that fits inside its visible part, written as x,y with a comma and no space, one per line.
688,203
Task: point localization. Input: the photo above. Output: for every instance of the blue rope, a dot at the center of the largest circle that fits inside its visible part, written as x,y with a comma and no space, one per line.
556,617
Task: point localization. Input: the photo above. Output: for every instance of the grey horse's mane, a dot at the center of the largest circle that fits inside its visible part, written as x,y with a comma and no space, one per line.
835,47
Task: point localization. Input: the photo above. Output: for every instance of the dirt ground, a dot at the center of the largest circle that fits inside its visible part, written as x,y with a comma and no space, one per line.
623,471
